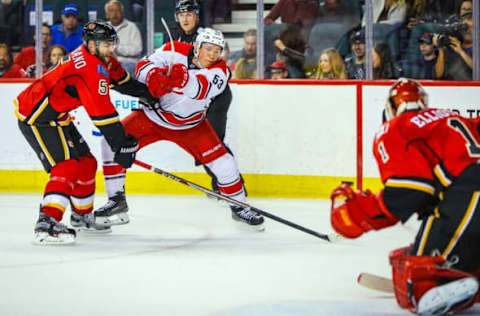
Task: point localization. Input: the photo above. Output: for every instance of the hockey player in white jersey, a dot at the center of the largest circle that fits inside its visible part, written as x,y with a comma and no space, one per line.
184,78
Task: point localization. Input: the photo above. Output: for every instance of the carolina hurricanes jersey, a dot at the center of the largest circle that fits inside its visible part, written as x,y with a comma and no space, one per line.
186,107
421,151
79,79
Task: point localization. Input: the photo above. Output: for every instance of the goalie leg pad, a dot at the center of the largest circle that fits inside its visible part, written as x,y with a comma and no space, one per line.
413,276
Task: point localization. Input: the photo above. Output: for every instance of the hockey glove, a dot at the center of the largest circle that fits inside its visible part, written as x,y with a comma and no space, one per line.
125,156
178,76
354,213
115,70
157,82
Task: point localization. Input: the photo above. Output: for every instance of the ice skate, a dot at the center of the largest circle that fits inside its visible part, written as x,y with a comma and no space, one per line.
440,300
49,231
114,212
247,216
86,222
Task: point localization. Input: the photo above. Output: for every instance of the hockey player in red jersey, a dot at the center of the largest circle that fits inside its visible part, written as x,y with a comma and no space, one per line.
42,109
428,162
184,78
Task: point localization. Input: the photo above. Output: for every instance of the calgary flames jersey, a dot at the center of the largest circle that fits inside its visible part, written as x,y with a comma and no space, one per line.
423,151
186,107
79,79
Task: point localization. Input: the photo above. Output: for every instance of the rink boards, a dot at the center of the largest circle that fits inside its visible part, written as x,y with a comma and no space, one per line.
291,138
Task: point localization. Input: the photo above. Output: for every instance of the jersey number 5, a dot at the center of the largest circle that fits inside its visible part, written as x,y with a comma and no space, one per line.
472,146
102,87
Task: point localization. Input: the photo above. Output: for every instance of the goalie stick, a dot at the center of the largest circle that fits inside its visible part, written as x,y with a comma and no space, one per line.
375,282
328,237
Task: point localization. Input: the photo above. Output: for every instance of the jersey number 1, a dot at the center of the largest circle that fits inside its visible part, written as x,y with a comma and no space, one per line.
472,146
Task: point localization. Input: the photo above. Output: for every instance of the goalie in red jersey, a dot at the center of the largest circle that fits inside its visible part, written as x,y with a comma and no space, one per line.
82,78
428,162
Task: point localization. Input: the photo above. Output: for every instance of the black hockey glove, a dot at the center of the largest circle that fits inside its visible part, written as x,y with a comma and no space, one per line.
125,156
149,102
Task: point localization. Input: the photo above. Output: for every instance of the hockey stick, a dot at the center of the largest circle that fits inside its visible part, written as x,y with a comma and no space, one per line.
171,44
328,237
375,282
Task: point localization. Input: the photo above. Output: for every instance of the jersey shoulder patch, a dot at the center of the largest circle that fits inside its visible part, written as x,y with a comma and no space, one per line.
180,47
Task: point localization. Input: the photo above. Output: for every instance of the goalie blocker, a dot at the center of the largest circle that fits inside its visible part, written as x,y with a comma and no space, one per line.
441,184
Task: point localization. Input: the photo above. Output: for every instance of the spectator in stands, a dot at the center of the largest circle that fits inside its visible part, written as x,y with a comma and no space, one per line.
330,65
300,12
7,68
291,50
465,7
454,60
355,63
383,65
69,32
422,68
26,57
54,54
129,46
246,58
11,22
278,70
393,12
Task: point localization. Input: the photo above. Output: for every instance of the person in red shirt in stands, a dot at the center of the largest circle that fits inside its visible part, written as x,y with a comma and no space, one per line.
26,57
299,12
7,68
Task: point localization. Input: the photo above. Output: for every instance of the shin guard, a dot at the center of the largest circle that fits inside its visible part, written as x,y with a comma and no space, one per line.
63,176
83,192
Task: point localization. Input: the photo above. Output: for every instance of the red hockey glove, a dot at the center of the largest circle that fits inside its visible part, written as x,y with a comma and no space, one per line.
178,76
115,70
354,213
157,82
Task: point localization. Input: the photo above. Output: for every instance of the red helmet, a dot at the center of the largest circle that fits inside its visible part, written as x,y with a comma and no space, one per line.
405,95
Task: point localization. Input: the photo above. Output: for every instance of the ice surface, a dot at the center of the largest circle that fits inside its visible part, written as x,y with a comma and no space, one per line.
183,255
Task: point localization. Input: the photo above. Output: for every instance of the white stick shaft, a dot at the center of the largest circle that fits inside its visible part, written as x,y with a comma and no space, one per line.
172,47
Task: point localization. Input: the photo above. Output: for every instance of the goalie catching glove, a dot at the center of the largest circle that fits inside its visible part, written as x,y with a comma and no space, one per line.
159,83
125,155
354,213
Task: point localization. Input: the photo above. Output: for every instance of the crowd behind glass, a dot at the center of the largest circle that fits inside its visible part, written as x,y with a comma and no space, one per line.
316,39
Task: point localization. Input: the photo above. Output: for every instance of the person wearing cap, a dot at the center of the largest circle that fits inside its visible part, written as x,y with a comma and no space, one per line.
454,60
69,32
355,63
422,68
130,45
278,70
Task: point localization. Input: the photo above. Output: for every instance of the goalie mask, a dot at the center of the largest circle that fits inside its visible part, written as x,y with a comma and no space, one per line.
405,95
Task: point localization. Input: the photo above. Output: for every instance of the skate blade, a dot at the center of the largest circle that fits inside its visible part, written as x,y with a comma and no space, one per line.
94,231
45,239
439,300
116,219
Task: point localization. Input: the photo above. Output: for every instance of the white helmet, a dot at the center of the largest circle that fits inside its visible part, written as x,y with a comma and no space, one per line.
209,35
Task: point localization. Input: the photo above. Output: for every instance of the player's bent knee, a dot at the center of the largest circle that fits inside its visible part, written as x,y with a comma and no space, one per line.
88,166
67,169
